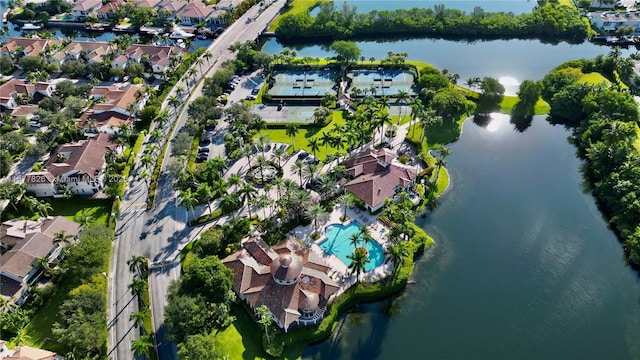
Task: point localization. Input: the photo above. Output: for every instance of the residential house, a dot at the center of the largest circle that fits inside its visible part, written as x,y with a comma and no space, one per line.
19,47
77,166
14,89
610,21
22,243
85,8
147,3
126,100
197,12
170,7
377,176
104,122
26,353
105,13
90,51
156,57
292,282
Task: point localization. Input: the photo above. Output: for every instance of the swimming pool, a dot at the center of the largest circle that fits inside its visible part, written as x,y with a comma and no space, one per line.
337,243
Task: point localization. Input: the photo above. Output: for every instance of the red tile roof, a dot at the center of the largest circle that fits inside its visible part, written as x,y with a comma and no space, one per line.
86,156
377,177
253,280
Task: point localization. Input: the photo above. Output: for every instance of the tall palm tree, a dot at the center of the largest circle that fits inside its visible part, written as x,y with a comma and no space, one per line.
44,208
62,237
137,286
291,130
417,109
354,240
314,145
189,200
174,102
21,337
401,99
145,176
278,155
247,194
326,139
138,319
265,319
309,171
348,199
205,194
142,347
298,167
397,253
359,260
229,204
317,214
138,264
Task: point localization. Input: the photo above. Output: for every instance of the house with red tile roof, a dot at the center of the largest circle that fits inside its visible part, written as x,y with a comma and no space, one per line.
104,122
90,51
19,47
118,99
377,177
14,88
107,10
291,281
170,7
29,353
197,12
23,242
77,166
157,57
147,3
85,8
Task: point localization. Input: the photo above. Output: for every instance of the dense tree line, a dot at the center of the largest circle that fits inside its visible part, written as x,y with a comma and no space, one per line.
551,21
605,123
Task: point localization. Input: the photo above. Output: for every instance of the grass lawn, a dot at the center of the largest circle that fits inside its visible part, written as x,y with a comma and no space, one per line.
297,7
594,78
508,102
39,328
437,135
301,140
98,209
241,340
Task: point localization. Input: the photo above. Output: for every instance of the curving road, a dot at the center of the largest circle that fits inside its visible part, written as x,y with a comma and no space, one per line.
160,233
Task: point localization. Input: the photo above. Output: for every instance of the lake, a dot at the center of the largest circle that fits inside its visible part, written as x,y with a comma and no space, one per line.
510,61
524,267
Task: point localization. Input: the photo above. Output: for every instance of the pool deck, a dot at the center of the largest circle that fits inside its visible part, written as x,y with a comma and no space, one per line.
340,272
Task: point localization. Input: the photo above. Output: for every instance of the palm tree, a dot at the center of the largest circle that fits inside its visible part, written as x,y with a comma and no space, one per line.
204,193
417,109
229,204
443,152
278,155
44,208
297,167
326,139
137,286
291,131
309,171
429,119
142,347
138,318
174,102
62,237
247,194
314,145
401,99
138,264
262,162
145,176
348,199
397,253
354,240
83,217
265,319
359,260
21,337
189,200
316,214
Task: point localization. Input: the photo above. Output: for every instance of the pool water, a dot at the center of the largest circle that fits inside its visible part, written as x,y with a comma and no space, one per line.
337,243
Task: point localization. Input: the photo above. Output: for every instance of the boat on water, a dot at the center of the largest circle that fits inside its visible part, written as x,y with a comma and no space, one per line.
180,43
201,37
4,16
180,34
30,26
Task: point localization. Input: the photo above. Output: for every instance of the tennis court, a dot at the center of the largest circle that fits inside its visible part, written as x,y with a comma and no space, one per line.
312,83
385,82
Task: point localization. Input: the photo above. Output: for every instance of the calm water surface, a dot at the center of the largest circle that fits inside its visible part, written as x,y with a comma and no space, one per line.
525,267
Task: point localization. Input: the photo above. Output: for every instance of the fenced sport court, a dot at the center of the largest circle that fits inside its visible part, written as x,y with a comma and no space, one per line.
384,82
299,83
